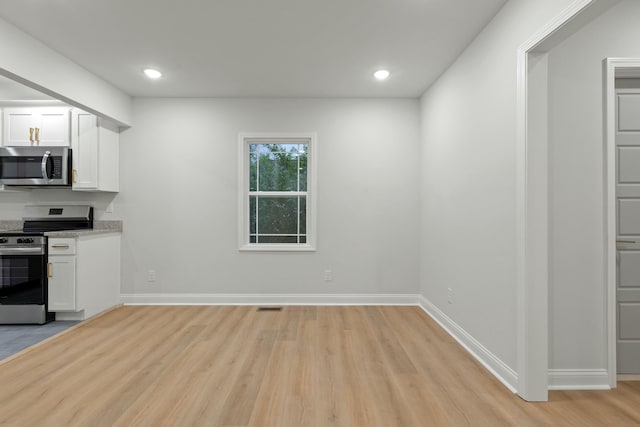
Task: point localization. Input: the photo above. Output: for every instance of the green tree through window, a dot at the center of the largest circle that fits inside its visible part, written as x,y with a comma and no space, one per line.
278,193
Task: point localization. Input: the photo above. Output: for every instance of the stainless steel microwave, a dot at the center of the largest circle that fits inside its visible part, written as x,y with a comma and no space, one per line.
35,166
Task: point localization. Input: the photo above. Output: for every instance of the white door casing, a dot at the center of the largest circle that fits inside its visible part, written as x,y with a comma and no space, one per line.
532,193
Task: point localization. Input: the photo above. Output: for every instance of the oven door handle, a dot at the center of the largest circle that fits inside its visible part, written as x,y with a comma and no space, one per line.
22,251
43,165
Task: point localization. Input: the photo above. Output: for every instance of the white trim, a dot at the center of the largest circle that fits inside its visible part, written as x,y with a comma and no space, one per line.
270,299
246,138
555,25
497,367
70,315
578,379
611,67
531,306
284,247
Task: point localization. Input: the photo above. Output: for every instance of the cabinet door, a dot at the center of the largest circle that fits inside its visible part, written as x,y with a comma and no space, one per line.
17,123
48,126
54,127
62,283
84,144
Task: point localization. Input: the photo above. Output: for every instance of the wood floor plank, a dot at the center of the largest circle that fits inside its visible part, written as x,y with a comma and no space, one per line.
303,366
302,398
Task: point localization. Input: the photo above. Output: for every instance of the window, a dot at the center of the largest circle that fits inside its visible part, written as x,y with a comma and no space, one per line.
277,192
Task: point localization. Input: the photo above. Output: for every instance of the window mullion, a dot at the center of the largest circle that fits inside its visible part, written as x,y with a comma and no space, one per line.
257,213
278,193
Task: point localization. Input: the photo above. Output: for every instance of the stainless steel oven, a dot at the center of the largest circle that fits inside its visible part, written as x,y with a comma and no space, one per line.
23,279
35,166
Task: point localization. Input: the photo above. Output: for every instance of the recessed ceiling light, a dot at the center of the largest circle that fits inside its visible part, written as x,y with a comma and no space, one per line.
152,74
381,74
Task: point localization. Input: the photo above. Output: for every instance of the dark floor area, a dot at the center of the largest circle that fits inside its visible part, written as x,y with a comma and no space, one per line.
15,338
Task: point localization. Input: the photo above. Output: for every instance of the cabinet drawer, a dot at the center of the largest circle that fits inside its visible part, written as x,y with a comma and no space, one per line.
62,246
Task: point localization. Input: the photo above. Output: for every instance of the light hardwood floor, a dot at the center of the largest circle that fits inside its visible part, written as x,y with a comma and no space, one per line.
304,366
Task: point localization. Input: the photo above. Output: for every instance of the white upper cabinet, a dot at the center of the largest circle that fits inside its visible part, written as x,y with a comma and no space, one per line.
37,126
95,151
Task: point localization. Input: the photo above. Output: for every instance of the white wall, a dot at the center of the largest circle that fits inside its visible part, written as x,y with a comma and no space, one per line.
45,69
468,214
178,197
577,283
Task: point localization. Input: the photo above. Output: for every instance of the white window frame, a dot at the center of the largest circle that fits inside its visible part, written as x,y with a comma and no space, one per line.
245,139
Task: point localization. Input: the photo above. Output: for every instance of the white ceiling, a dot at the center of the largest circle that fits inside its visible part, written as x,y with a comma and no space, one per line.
310,48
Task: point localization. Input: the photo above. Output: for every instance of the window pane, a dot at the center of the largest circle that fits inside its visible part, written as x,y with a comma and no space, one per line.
252,215
303,239
253,172
259,148
278,171
303,215
277,239
277,215
252,238
274,148
283,148
303,171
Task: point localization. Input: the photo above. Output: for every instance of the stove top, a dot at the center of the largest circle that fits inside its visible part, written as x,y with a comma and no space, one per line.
40,219
11,241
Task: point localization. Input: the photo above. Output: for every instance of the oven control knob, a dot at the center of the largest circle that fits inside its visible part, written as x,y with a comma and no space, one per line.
3,240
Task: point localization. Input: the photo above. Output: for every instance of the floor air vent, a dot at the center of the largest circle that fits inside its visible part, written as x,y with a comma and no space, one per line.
269,308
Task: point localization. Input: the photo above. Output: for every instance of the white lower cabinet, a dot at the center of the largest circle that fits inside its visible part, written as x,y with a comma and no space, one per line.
83,275
62,283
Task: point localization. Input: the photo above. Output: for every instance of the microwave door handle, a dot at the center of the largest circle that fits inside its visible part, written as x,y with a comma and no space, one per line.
43,165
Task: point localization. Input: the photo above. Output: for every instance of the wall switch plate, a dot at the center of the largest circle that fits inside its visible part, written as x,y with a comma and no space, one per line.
450,295
151,276
328,275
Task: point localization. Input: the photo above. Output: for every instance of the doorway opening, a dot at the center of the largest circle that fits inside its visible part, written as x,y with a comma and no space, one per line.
533,194
622,142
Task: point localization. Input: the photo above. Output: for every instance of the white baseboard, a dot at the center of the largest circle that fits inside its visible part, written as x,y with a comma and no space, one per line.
497,367
72,315
578,379
269,299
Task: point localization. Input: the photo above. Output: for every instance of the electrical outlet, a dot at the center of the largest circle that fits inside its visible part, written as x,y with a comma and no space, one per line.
151,276
328,275
450,295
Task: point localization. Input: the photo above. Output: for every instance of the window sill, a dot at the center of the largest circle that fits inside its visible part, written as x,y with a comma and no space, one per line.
277,248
